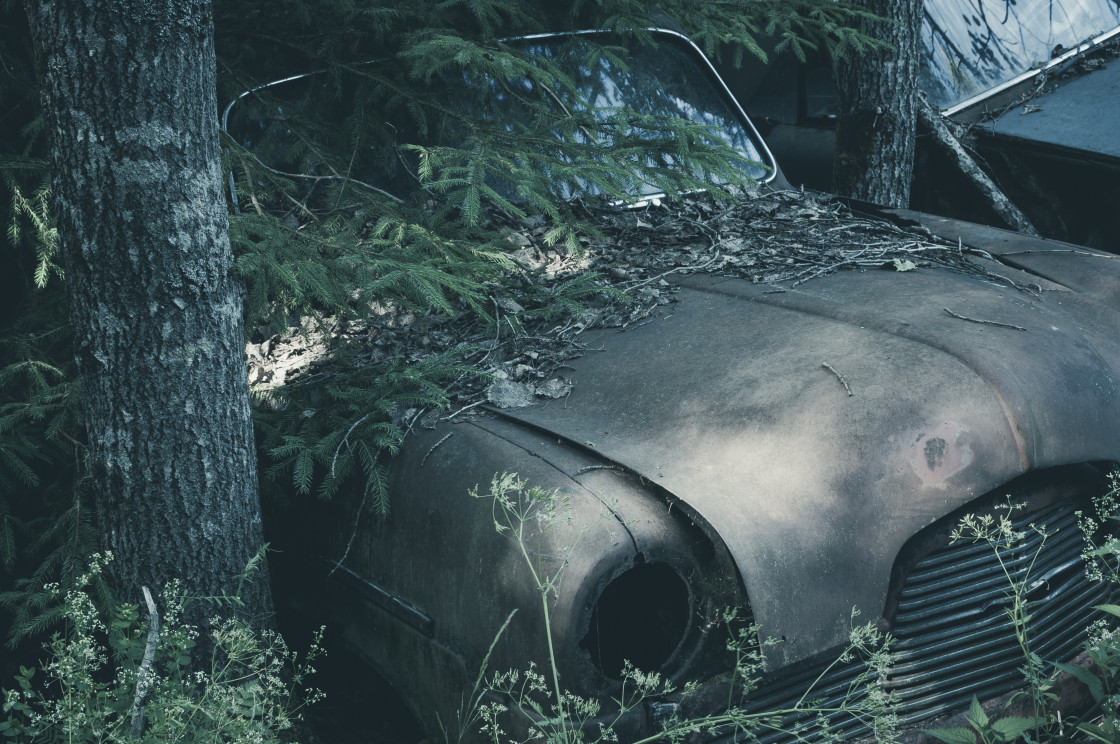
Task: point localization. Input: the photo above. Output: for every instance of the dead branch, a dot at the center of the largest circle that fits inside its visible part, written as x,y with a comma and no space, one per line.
433,449
839,377
1004,207
144,673
699,267
985,322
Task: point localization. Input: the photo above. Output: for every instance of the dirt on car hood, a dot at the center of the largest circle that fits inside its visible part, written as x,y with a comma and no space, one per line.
816,429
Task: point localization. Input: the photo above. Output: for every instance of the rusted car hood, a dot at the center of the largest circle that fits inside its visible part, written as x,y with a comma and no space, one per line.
736,401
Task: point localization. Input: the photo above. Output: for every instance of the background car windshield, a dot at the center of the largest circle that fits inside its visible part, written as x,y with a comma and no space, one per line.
971,46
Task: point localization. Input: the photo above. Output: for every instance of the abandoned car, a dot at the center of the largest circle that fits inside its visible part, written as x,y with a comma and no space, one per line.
1036,85
791,450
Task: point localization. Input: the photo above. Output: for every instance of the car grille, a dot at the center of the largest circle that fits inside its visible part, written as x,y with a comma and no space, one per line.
954,638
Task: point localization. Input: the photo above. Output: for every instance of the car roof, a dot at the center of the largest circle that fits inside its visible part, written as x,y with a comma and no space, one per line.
973,49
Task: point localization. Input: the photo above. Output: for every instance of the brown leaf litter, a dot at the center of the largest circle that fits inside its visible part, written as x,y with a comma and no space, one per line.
781,239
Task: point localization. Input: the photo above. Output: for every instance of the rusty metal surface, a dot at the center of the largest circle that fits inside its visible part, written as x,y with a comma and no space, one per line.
1093,272
725,402
770,448
439,554
714,440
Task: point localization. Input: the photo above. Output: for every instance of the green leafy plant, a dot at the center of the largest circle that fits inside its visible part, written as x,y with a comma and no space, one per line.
984,728
1101,720
999,532
45,531
128,678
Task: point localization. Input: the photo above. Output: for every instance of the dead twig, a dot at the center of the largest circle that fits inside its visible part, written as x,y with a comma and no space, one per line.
346,440
672,271
839,377
433,449
589,468
985,322
357,521
317,179
1094,254
464,408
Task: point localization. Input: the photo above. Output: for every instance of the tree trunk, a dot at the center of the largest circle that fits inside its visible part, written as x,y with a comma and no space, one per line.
129,94
875,129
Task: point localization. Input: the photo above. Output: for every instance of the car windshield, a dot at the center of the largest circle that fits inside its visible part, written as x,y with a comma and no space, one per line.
669,81
972,46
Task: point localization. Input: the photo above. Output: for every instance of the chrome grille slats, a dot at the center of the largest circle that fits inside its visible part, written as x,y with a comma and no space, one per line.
923,598
946,646
782,695
954,638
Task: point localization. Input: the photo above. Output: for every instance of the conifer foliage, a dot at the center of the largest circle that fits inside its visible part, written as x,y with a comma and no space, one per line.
387,182
46,531
393,174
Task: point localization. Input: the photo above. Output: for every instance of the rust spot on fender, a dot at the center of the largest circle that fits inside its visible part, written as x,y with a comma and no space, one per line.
938,454
935,452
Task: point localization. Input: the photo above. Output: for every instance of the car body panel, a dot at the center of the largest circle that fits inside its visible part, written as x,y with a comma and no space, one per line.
1074,267
1080,116
468,578
736,458
814,490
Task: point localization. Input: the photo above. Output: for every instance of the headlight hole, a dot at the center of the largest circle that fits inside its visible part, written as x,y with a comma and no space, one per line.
641,617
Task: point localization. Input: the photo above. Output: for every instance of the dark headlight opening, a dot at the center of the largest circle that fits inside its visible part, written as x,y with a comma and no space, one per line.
641,617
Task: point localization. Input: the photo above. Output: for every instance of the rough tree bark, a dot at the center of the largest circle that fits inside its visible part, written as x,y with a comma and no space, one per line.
875,128
129,96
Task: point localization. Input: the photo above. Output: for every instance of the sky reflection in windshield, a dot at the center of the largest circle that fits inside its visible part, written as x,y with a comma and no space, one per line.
970,46
662,81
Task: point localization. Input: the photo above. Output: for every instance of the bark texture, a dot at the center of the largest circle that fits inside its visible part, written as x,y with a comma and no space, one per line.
878,104
130,99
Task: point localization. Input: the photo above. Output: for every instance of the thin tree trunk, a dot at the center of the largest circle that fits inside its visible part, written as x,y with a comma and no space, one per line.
130,100
875,129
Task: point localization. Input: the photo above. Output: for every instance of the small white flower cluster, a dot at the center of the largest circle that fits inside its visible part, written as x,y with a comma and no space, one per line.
997,529
249,693
1102,550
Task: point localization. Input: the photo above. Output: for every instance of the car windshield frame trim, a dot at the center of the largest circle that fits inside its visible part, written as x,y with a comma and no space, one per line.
769,162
